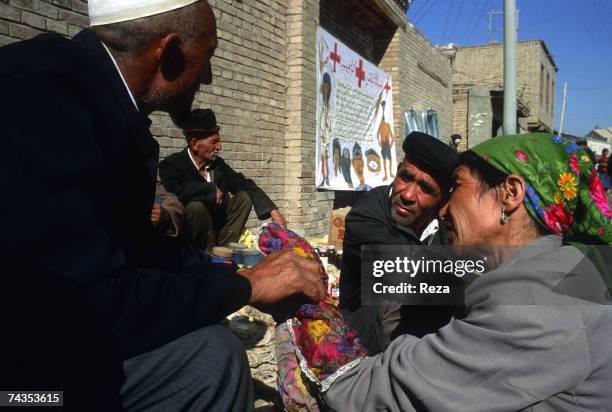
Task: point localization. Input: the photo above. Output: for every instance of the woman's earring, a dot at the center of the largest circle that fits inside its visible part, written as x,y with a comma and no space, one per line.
504,217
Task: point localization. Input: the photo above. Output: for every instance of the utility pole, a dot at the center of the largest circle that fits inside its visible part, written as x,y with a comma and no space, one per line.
492,30
510,35
563,108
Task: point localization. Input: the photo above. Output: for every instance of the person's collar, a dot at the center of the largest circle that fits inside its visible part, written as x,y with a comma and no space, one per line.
430,230
204,165
120,75
195,163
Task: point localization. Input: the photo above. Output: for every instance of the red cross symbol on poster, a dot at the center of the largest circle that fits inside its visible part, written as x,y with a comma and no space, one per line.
335,56
387,87
360,73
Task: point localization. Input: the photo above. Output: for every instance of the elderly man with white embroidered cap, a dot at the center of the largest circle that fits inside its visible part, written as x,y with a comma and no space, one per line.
84,173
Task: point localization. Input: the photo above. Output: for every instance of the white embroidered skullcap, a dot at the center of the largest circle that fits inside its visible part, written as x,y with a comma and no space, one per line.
114,11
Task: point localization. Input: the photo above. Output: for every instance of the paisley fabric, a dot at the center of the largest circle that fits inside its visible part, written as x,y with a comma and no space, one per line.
316,345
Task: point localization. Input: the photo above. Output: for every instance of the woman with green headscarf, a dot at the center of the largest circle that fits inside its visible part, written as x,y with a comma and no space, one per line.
563,193
535,330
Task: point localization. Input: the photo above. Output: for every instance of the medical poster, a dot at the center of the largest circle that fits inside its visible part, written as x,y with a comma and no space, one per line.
355,140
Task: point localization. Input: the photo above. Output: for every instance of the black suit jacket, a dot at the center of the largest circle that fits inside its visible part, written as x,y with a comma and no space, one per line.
370,223
79,170
179,176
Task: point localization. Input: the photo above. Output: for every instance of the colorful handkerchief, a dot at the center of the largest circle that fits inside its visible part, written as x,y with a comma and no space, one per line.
316,345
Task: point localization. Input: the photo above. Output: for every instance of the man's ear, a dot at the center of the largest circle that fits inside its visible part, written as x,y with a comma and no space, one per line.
513,193
171,58
191,142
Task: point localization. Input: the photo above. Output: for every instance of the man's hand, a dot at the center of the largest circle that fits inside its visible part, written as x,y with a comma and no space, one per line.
284,275
219,197
278,217
159,215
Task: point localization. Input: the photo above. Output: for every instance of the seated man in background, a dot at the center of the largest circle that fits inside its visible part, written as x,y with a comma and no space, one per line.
403,213
217,199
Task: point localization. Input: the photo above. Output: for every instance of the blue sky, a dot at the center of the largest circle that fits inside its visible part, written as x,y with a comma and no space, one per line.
575,34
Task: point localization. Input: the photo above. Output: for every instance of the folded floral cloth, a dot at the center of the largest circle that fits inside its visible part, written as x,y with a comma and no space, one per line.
315,346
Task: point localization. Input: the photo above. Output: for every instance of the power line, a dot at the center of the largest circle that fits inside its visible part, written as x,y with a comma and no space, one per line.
423,11
450,8
426,12
478,21
419,11
469,23
604,25
457,19
588,30
552,18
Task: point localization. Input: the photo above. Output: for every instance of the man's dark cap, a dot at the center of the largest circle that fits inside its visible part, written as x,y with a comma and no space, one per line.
430,154
201,122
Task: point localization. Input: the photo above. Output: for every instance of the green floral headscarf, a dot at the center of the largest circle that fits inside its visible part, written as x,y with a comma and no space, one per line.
564,193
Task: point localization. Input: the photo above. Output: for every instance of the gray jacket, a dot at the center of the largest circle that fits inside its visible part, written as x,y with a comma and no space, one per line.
522,345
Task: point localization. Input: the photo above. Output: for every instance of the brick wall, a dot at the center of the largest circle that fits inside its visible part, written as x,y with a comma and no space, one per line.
308,208
340,19
248,93
24,19
426,79
460,116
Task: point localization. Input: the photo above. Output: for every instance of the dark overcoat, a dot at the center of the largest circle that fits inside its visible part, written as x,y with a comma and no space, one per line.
79,164
179,176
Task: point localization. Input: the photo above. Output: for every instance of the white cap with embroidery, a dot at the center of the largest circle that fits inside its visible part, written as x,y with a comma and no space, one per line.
115,11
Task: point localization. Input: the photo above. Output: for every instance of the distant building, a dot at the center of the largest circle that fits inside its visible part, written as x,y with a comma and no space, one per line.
572,138
478,89
599,139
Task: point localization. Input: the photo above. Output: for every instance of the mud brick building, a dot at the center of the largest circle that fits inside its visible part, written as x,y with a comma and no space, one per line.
478,80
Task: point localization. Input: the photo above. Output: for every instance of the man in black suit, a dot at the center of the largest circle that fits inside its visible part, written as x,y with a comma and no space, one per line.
82,180
402,213
217,199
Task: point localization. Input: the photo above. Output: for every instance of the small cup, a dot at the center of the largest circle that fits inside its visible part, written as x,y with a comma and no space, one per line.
221,255
250,257
237,249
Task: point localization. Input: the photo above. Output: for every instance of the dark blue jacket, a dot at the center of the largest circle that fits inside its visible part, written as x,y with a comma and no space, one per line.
78,181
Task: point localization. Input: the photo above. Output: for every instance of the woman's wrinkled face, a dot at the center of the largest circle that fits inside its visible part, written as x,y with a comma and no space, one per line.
472,217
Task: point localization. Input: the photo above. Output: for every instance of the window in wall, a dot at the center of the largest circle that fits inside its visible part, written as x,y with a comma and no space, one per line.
547,92
552,96
541,84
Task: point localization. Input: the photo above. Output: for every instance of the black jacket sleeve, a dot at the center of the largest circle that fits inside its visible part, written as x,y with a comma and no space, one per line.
231,181
365,224
79,207
178,178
